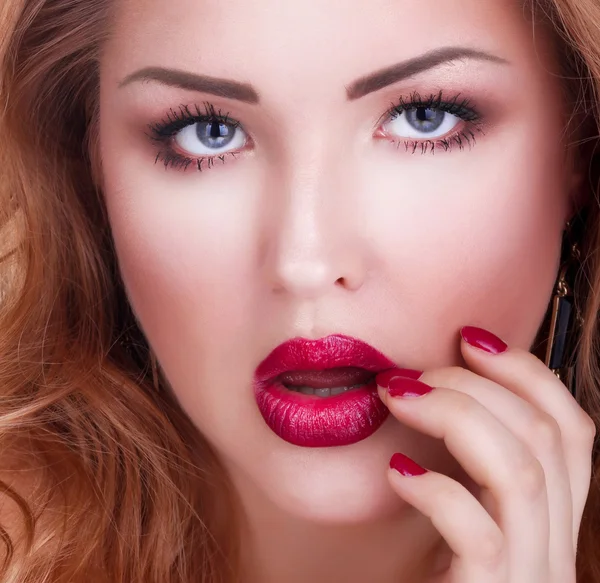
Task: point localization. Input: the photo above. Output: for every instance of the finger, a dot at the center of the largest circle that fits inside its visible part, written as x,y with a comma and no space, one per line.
493,457
475,539
525,375
541,434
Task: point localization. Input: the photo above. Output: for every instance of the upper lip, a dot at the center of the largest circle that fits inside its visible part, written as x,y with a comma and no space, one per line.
335,351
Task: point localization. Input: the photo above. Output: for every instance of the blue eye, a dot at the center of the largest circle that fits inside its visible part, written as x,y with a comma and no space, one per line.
429,123
421,122
424,119
210,137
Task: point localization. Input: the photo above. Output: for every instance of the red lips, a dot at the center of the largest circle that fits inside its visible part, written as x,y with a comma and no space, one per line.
316,421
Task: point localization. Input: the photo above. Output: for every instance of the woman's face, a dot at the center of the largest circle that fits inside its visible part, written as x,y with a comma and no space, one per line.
317,212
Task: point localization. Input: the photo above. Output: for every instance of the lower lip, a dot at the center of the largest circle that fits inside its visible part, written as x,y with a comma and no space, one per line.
310,421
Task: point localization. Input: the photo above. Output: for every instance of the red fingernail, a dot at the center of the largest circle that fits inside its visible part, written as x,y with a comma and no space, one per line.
405,466
405,387
383,378
482,339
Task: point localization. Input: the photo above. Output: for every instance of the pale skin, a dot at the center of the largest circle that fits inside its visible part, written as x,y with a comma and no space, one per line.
319,224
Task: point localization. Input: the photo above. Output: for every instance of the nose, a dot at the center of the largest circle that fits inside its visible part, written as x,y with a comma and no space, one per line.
313,241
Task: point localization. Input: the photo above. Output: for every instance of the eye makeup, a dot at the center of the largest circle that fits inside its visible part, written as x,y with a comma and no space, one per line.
422,117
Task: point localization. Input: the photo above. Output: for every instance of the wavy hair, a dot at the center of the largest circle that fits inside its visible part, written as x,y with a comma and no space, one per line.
102,478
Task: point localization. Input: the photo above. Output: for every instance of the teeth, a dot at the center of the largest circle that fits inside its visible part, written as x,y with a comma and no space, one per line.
329,392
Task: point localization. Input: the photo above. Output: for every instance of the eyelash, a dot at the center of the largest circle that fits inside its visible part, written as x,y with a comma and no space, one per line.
164,132
457,106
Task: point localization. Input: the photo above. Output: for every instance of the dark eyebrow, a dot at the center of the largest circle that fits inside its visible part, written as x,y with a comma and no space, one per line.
192,81
359,88
410,67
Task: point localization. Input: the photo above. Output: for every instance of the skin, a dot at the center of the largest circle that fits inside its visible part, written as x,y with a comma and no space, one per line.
323,226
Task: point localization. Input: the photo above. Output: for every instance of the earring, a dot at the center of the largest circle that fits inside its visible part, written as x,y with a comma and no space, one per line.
154,369
565,321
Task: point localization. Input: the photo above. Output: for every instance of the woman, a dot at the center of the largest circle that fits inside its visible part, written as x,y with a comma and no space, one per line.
279,282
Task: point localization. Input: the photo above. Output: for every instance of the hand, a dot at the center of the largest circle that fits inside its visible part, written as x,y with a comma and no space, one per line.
519,434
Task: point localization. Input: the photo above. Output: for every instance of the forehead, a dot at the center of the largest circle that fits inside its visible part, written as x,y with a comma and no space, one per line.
314,43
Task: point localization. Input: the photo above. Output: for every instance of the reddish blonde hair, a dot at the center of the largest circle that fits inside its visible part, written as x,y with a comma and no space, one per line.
104,479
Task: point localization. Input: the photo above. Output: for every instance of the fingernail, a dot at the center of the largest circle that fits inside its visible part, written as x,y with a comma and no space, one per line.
482,339
383,378
405,466
405,387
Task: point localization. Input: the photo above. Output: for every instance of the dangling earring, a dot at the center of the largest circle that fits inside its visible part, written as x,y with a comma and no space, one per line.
154,369
564,322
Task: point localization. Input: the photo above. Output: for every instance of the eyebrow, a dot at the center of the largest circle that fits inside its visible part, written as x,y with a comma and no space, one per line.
194,82
367,84
409,68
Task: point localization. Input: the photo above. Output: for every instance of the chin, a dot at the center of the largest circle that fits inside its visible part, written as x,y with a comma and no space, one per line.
330,486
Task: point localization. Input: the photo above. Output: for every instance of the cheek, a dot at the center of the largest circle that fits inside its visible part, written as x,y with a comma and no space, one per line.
478,244
185,251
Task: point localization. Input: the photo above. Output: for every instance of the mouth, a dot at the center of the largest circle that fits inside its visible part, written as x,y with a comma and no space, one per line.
322,393
326,383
